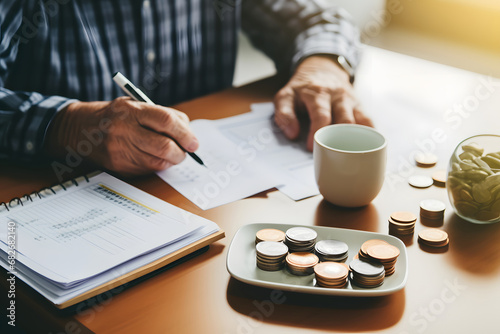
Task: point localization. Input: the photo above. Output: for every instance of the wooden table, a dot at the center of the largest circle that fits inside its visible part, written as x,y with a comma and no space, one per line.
414,103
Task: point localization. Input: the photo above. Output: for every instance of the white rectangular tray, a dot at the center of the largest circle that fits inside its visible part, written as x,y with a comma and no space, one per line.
241,262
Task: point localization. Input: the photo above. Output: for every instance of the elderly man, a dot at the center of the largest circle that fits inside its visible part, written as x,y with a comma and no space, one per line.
57,58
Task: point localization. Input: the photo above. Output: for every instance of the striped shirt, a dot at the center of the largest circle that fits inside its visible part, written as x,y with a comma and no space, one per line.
53,52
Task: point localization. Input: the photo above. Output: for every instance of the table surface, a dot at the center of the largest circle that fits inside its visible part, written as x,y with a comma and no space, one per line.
417,105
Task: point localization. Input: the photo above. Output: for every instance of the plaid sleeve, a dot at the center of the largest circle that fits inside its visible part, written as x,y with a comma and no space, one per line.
290,30
24,116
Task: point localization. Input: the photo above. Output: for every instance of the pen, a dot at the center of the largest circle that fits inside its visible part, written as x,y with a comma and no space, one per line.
138,95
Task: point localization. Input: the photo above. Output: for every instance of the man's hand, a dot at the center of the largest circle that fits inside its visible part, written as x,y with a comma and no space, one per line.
322,88
123,135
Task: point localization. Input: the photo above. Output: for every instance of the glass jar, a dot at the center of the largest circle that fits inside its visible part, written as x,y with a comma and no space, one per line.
474,179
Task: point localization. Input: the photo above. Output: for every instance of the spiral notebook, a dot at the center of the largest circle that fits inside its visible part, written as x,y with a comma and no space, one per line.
80,238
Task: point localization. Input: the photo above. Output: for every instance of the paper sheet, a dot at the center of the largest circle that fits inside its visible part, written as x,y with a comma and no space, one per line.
245,154
86,230
257,134
230,175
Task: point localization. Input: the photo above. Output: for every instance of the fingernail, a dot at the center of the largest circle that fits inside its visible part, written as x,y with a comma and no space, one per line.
193,146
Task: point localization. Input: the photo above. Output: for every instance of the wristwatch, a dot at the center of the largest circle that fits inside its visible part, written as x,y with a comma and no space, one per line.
342,62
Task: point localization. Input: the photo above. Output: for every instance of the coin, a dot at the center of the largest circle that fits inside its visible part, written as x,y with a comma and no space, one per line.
401,228
432,205
366,268
420,181
300,239
403,224
271,255
303,234
331,270
331,246
301,263
432,209
425,159
439,178
331,250
367,274
383,252
302,259
367,244
433,237
269,234
403,217
331,274
271,248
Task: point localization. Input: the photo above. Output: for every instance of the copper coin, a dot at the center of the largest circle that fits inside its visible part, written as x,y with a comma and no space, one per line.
403,217
439,178
369,243
399,228
425,159
401,225
433,235
270,234
383,252
331,271
332,286
420,181
302,259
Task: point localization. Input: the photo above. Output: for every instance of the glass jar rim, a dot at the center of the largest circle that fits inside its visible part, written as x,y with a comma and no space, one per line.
455,152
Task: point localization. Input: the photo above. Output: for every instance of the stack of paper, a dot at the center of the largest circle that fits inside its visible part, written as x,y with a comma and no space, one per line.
244,155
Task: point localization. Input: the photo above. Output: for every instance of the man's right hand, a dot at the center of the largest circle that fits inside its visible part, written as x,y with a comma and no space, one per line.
123,135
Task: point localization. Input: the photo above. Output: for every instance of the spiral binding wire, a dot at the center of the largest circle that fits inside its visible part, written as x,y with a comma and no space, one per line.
28,197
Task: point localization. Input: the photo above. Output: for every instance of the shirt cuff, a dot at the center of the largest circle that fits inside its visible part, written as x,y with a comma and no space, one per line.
327,40
32,145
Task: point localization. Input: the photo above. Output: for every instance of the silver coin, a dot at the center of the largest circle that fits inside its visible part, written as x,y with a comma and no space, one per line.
420,181
432,205
271,248
301,234
366,268
331,247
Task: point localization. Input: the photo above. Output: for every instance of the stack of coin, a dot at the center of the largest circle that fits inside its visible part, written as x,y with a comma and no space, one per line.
300,239
367,274
331,274
301,263
433,237
331,250
380,251
385,254
271,255
402,223
269,234
432,209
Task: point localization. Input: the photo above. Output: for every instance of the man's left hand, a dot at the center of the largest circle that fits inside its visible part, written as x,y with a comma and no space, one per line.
322,88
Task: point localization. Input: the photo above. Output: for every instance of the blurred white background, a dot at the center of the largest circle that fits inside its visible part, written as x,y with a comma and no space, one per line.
434,30
252,64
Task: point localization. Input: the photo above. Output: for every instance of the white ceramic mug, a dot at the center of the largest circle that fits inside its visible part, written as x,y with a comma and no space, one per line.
349,163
